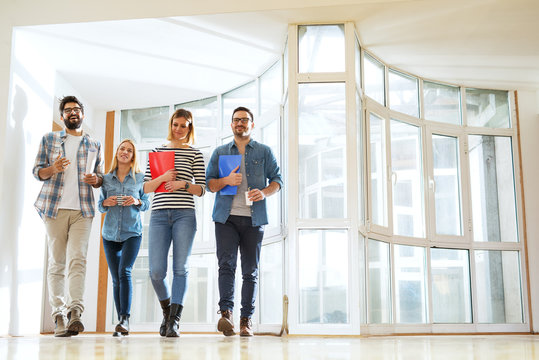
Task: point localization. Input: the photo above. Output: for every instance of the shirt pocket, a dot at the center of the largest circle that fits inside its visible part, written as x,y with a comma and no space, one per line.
54,151
258,167
131,190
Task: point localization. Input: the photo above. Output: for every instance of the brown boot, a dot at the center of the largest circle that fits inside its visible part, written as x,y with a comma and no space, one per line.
245,327
75,326
226,324
165,305
61,322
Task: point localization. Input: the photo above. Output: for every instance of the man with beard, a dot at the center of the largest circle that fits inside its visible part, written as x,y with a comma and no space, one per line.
66,205
240,219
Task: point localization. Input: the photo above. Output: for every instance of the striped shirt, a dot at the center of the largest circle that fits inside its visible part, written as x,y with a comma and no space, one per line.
52,145
189,163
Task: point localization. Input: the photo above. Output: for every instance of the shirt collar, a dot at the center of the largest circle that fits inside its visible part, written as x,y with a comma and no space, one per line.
233,144
128,174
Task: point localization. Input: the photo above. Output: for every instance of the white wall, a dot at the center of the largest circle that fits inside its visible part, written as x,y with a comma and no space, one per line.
529,132
35,85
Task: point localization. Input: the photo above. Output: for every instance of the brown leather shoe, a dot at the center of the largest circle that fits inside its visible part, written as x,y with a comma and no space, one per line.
75,326
245,327
226,324
61,323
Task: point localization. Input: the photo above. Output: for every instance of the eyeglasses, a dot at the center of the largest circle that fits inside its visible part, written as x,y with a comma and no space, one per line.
76,110
242,120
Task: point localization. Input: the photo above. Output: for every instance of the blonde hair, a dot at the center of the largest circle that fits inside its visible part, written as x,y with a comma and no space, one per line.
187,115
134,162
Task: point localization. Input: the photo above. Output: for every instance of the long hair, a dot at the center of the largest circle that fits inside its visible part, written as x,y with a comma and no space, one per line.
134,162
187,115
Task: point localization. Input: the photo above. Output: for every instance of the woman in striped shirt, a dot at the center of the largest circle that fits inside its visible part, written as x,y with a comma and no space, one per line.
173,217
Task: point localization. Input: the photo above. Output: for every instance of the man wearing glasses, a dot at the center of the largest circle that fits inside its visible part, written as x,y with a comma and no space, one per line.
240,219
69,164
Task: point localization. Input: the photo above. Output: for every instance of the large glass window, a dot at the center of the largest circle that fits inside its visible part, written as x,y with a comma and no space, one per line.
374,78
271,283
145,126
451,297
378,171
322,150
321,48
489,108
245,96
410,285
403,93
442,103
323,276
446,170
379,282
493,188
498,286
407,175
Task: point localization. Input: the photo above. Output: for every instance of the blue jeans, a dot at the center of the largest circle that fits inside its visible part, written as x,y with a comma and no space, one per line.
238,232
120,257
176,226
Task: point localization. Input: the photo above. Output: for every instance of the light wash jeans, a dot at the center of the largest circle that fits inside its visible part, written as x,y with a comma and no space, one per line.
176,226
68,236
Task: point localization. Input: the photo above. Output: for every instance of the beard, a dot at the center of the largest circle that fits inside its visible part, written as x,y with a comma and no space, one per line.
73,125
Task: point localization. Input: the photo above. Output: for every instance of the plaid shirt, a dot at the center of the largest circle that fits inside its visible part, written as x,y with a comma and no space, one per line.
51,145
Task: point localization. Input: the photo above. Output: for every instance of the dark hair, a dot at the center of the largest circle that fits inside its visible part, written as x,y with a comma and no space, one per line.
187,115
68,99
242,108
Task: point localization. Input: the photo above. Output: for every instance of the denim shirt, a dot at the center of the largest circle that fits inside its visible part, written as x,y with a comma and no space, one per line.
122,222
261,169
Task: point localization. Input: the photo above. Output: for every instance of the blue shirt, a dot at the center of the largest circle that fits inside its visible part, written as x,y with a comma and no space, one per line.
123,222
261,169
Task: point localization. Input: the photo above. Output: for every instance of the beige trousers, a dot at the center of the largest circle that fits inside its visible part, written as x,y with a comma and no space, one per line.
68,237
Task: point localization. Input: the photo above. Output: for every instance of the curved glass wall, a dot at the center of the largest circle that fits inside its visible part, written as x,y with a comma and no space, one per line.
400,208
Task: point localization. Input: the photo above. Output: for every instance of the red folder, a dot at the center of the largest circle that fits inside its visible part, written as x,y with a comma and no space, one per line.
160,162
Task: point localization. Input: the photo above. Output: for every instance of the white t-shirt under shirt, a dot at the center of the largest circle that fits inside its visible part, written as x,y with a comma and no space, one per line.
70,195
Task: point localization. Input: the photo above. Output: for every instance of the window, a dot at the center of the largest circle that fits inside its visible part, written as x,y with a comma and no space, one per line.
442,103
322,155
374,79
451,298
407,175
321,48
493,188
403,93
323,276
489,108
446,184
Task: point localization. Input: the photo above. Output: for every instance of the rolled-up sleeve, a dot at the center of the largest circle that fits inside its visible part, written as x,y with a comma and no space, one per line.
273,173
42,160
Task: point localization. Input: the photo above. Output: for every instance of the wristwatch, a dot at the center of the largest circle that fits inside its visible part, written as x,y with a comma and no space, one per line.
186,186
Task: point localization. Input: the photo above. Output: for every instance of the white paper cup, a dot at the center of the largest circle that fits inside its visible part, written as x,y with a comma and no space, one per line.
248,202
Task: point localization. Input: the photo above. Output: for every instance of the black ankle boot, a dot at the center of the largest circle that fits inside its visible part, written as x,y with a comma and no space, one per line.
165,305
173,323
123,325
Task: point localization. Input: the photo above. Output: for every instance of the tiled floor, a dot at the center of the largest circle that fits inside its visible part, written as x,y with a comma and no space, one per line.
209,347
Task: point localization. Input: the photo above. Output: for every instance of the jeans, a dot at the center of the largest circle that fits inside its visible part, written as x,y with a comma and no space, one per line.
236,233
68,236
120,257
176,226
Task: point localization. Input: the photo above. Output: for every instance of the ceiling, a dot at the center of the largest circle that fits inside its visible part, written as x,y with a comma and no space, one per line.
150,62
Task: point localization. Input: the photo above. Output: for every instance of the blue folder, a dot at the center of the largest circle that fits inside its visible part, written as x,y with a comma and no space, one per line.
227,163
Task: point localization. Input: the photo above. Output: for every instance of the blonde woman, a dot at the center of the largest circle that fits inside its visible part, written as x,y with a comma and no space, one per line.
173,219
122,199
